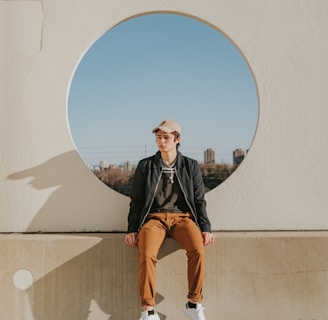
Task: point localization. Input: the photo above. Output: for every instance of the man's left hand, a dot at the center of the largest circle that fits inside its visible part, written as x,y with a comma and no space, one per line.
208,238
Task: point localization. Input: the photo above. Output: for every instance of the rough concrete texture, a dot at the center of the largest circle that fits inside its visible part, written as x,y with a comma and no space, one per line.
279,186
249,276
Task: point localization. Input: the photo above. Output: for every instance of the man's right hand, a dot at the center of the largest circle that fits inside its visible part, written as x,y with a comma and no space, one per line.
131,239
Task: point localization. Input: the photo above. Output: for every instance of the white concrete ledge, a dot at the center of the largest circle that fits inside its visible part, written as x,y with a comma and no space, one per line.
249,275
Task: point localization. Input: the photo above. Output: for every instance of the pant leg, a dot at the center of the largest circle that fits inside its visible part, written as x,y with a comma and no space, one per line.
150,239
188,235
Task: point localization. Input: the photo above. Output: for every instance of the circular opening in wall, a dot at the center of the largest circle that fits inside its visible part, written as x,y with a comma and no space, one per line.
156,67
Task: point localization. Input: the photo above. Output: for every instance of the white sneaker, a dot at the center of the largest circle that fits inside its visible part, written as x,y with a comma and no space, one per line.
146,316
194,313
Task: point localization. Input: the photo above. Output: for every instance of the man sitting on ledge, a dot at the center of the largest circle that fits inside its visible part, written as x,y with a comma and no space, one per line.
167,199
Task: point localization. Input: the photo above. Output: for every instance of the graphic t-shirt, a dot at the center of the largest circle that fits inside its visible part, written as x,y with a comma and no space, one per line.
169,196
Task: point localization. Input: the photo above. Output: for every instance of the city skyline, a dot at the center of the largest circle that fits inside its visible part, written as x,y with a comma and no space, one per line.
208,158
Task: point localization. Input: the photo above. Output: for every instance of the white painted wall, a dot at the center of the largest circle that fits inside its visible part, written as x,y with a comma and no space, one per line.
280,185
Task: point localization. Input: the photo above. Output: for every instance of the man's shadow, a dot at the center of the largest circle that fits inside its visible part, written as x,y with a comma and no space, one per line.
101,282
71,200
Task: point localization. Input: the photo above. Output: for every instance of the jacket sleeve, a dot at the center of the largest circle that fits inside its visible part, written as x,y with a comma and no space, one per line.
199,200
137,199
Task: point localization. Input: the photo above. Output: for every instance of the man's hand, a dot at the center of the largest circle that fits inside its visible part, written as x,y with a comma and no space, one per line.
208,238
131,239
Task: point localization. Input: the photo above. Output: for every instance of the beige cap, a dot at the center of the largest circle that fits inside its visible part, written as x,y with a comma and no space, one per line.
168,126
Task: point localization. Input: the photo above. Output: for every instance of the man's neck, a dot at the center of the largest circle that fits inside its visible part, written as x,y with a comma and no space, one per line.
169,157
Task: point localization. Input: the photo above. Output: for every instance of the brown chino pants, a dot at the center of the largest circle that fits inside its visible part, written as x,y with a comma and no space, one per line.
184,230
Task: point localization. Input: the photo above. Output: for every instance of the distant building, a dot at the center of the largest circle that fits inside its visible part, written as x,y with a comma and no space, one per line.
102,164
238,156
127,166
209,156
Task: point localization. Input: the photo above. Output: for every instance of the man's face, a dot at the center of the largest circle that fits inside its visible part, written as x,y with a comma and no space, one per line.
166,142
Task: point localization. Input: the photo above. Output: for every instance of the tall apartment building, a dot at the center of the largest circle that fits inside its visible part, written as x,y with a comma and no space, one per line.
102,164
127,166
238,156
209,156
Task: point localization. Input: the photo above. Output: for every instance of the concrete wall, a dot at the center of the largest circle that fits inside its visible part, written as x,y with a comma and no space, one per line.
46,187
92,277
279,186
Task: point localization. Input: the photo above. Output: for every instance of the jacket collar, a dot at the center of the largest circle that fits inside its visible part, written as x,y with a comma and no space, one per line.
157,160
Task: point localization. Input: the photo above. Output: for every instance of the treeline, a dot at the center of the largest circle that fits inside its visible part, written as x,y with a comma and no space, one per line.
121,180
215,174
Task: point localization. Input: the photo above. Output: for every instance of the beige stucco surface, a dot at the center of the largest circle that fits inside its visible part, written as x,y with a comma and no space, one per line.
280,185
93,277
45,186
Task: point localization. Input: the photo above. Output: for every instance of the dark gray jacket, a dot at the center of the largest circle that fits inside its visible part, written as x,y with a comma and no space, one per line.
145,182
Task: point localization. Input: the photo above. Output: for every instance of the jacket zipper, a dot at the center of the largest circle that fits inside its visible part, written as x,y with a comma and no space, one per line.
152,200
184,194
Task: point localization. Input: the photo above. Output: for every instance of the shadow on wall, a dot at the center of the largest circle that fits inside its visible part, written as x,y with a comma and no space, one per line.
71,199
99,284
267,277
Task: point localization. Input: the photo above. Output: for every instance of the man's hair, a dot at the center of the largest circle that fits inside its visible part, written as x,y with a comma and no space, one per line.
177,135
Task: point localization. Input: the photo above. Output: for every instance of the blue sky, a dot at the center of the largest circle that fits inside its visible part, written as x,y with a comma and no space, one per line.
156,67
